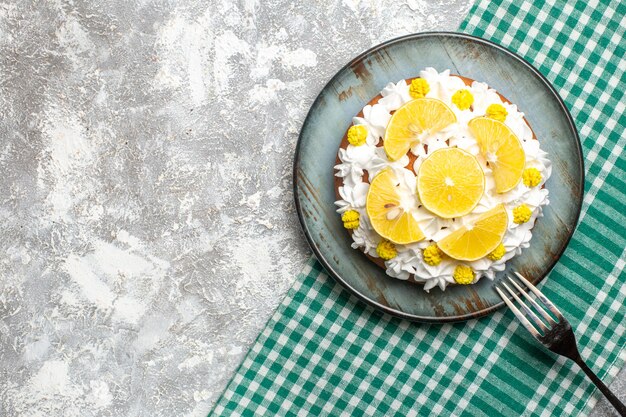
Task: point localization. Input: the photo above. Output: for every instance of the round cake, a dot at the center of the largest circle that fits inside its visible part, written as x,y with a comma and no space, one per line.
440,179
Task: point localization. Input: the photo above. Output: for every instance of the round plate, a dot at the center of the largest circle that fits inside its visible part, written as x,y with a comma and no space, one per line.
363,78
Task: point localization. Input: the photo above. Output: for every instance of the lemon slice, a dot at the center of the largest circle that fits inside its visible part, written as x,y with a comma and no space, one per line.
502,150
450,182
472,242
413,122
389,216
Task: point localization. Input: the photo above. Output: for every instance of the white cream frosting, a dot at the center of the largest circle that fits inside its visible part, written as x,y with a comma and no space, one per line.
371,158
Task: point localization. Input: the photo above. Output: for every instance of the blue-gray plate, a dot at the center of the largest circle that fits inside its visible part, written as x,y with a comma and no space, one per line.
361,80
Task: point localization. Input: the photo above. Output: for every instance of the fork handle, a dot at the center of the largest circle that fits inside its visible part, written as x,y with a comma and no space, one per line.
619,406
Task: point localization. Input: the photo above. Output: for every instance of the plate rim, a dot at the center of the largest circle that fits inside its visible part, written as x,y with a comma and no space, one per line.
296,187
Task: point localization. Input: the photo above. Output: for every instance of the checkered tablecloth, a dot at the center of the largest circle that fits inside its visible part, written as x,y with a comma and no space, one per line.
323,353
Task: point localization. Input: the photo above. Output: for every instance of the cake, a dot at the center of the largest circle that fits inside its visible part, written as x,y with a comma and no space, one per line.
440,179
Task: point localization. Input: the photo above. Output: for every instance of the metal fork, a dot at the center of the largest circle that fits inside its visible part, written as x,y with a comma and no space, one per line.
554,332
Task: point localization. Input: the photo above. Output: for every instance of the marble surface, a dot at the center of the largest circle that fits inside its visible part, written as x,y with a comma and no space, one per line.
147,216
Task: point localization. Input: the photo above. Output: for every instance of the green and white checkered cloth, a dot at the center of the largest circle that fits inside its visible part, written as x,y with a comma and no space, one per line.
323,353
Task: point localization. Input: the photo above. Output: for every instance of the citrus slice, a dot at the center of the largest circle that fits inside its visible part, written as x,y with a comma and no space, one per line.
450,182
502,150
390,214
413,122
479,239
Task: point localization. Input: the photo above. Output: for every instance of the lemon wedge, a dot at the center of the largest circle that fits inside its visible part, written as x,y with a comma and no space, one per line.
501,149
413,122
472,242
450,182
388,215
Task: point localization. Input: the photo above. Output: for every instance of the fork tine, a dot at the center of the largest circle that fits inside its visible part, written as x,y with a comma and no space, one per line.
541,297
519,315
529,313
540,309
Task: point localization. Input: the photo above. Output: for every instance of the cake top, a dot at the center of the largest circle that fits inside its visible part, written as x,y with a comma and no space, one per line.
442,179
